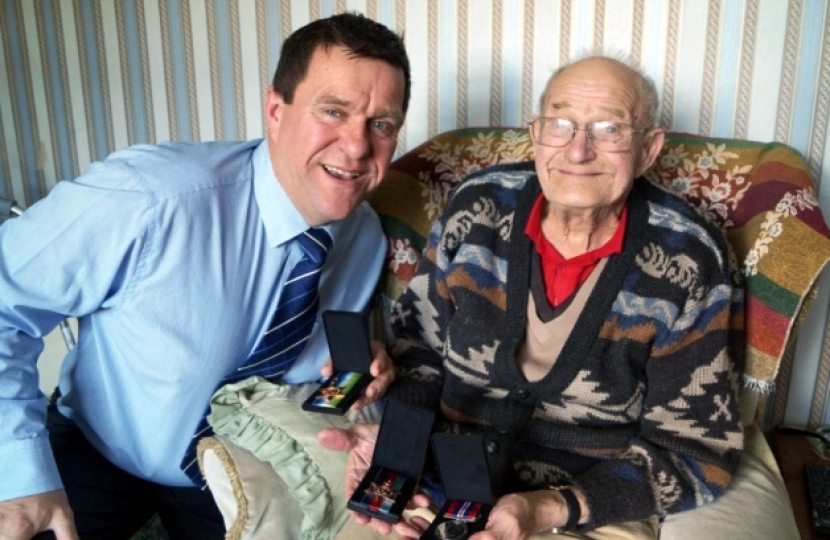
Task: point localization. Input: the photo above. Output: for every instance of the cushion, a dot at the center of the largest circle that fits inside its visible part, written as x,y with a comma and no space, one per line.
755,507
253,499
265,466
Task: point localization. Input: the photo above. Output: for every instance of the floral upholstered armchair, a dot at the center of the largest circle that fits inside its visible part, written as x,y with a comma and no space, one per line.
760,195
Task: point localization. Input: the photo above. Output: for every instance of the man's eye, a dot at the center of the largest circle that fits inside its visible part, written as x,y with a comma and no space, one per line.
606,128
560,127
383,128
332,113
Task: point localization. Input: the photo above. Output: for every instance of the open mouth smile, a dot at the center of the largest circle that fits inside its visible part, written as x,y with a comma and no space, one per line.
340,173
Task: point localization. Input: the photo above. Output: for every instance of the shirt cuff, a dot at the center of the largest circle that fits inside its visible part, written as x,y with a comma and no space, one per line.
27,467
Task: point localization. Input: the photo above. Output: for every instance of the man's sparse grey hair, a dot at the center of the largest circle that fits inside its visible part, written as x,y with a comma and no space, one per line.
646,90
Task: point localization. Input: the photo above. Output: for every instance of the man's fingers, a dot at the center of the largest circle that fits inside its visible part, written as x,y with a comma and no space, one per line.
378,367
382,382
345,439
383,372
381,363
382,527
372,392
335,439
419,500
420,522
63,526
360,519
412,529
364,432
327,370
66,532
25,517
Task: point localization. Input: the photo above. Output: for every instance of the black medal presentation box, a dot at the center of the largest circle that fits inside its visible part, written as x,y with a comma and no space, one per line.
465,475
399,454
351,356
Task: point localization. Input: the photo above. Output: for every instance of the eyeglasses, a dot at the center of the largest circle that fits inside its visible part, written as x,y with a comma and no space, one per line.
605,136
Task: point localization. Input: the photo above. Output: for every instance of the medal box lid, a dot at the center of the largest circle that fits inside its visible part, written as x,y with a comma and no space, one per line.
462,464
348,339
403,438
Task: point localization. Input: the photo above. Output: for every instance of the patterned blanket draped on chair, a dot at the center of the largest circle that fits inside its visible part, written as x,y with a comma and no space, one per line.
760,194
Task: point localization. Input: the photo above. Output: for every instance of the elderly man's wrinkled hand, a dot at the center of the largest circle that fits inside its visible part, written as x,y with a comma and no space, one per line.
383,371
518,516
23,518
361,439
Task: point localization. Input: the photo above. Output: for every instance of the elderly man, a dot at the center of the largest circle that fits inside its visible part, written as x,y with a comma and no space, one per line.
185,264
582,312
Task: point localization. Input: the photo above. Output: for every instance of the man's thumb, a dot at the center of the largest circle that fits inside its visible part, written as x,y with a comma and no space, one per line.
335,439
65,530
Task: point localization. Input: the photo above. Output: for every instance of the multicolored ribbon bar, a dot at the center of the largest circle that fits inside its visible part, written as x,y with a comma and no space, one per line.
462,510
381,494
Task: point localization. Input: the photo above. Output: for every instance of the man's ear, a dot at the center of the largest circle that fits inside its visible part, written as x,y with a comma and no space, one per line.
272,108
653,145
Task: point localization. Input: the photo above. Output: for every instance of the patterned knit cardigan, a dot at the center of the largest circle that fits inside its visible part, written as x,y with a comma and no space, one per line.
640,409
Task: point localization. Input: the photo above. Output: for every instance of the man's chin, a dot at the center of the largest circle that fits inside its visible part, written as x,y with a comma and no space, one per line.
338,214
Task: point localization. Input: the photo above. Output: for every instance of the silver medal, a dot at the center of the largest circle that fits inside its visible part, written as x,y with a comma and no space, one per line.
451,530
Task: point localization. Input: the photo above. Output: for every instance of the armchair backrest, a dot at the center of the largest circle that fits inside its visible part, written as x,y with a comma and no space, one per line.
760,194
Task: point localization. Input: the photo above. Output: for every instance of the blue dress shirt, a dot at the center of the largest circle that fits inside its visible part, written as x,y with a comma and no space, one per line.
172,257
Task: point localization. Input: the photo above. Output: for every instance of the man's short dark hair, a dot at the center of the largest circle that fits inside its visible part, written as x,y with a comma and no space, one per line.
361,36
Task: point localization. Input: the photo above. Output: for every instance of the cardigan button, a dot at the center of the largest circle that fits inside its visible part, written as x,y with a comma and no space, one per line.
523,393
492,447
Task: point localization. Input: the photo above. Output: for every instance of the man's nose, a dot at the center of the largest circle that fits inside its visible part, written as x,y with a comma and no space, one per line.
354,139
580,149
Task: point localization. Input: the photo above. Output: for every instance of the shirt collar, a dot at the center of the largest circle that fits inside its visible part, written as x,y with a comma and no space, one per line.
281,219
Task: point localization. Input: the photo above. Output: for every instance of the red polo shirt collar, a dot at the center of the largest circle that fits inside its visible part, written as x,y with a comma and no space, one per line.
564,276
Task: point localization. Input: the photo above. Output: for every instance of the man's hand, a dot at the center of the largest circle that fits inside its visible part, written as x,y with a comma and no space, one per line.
512,518
361,439
381,369
21,519
518,516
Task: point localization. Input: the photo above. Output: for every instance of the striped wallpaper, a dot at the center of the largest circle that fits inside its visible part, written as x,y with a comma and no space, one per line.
85,77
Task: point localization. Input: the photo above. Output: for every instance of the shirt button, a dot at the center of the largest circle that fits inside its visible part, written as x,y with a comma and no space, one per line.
492,447
523,393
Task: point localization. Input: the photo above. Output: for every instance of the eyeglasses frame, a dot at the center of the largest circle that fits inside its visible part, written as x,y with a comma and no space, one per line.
586,129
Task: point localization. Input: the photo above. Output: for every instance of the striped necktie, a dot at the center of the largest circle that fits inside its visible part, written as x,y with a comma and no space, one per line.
285,337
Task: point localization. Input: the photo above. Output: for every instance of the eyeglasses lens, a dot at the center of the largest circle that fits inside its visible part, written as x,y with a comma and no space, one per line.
606,136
